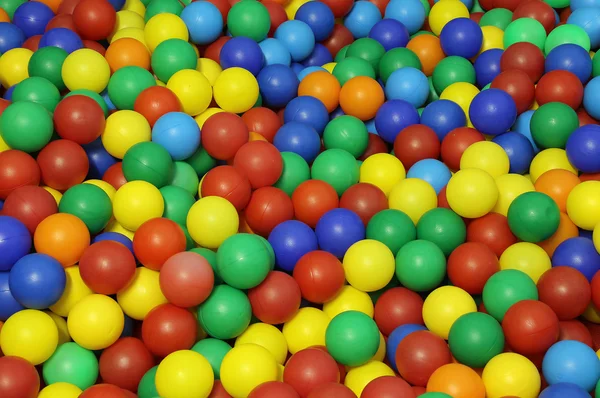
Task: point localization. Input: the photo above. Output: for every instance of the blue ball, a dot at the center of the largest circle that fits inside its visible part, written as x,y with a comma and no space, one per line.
297,67
117,4
393,117
274,52
309,110
396,337
128,327
290,241
487,66
15,242
371,128
390,33
8,304
338,229
297,37
361,18
410,12
62,38
589,20
586,234
242,52
572,58
308,70
443,116
583,148
591,97
33,17
299,138
562,390
319,17
278,85
98,158
519,150
107,101
493,111
462,37
178,133
337,112
522,126
577,4
578,253
319,56
408,84
436,173
571,361
37,281
114,236
10,37
8,93
203,20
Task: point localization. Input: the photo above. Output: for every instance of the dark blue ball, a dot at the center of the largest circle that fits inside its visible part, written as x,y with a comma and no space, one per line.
115,236
443,116
578,253
583,148
278,85
572,58
37,281
390,33
319,56
11,36
8,93
99,159
33,17
563,390
299,138
336,113
15,242
290,241
493,111
8,304
338,229
242,52
319,17
487,66
461,37
393,117
309,110
117,4
62,38
519,150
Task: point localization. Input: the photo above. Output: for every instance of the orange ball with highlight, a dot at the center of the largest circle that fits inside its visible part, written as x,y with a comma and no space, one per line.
557,184
456,380
429,50
323,86
361,97
127,52
62,236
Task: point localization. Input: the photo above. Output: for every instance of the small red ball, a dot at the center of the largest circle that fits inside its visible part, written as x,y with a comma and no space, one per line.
276,300
339,38
156,240
94,45
30,205
312,199
470,266
213,51
168,328
518,85
104,391
67,7
559,86
156,101
330,390
310,368
508,4
456,143
218,390
268,207
186,279
339,7
114,175
276,13
222,5
398,306
566,290
33,43
79,118
229,183
274,389
261,162
107,267
62,21
17,169
526,57
125,362
365,200
63,163
262,121
419,355
530,327
376,145
223,134
416,142
585,118
575,330
94,19
320,276
18,378
493,231
388,387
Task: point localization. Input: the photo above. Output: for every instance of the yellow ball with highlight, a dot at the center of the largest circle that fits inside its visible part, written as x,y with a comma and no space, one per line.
493,37
583,205
445,11
29,334
369,265
105,186
414,197
192,89
487,156
236,90
210,69
123,130
60,390
526,257
444,306
75,291
245,367
211,220
96,322
127,19
382,170
142,295
472,193
114,226
357,378
86,69
203,117
550,159
266,336
306,329
349,299
130,33
137,202
14,66
511,374
162,27
460,93
509,187
55,194
184,373
136,6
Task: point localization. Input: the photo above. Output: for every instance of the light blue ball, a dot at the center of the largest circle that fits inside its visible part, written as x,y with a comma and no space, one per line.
589,20
297,37
204,22
178,133
591,97
408,84
434,172
578,4
522,126
308,70
410,12
361,18
275,52
571,361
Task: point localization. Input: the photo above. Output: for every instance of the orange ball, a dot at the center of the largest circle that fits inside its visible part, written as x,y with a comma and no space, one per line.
53,4
127,52
566,229
557,184
253,136
429,50
4,16
456,380
62,236
323,86
361,97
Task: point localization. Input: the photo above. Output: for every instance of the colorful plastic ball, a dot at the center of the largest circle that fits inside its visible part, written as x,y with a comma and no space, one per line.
236,90
328,389
123,130
223,134
530,327
17,169
364,199
37,281
442,117
560,86
171,56
461,37
178,133
226,313
86,69
62,38
125,363
306,329
319,275
309,368
142,295
582,205
156,240
362,97
419,354
472,193
137,202
361,18
243,261
26,126
408,84
560,389
273,389
245,367
229,183
267,336
11,36
214,351
204,22
487,66
456,143
526,257
19,379
578,253
519,150
107,267
79,118
212,214
519,86
127,52
475,339
126,84
29,334
62,236
493,104
278,85
504,289
242,52
571,362
15,241
276,300
444,306
390,33
156,101
572,58
262,121
585,18
60,390
274,52
90,204
149,162
382,170
167,329
306,109
95,322
339,229
393,117
268,207
251,20
184,372
186,279
192,89
533,217
432,171
442,227
510,373
63,164
526,57
368,265
94,20
459,380
71,364
346,330
581,148
336,167
411,14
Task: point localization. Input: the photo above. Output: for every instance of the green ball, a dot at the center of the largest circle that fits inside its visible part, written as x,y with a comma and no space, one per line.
189,242
201,161
90,204
527,30
420,265
148,161
10,6
342,53
38,90
433,95
243,261
477,7
596,65
93,95
211,257
475,338
171,56
214,351
249,18
184,176
395,59
348,133
336,167
352,338
451,70
72,364
506,288
26,126
295,172
47,62
270,251
147,386
178,202
368,49
552,124
558,3
565,34
443,227
226,313
393,228
156,7
427,7
533,217
351,67
126,84
498,17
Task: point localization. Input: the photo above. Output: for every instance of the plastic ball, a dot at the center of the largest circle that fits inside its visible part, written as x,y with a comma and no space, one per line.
320,276
107,267
411,13
530,327
278,85
549,159
526,257
123,130
204,21
19,378
142,295
95,322
564,388
184,372
361,97
305,329
15,240
213,214
192,89
72,364
63,164
62,236
127,52
462,37
167,329
90,204
223,134
458,380
86,69
37,281
388,386
475,339
178,133
251,20
578,253
60,390
472,193
309,110
137,202
500,379
149,162
268,207
361,18
125,363
366,200
243,261
345,330
408,84
524,211
339,229
94,20
359,377
126,84
267,336
443,117
440,15
273,389
444,306
359,260
29,334
382,170
79,119
26,126
390,33
421,344
504,289
336,167
519,150
582,201
156,101
504,111
571,362
236,90
262,121
274,52
581,147
414,197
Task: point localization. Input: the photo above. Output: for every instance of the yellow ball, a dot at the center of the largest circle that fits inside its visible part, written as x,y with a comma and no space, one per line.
591,313
382,170
75,291
136,6
349,299
114,226
369,265
3,145
142,295
358,378
550,159
127,19
493,37
583,205
123,130
96,322
487,156
130,33
86,69
462,94
211,220
203,117
266,336
306,329
292,7
509,187
236,90
526,257
184,374
105,186
210,69
511,374
55,194
444,306
245,367
380,354
61,325
329,66
60,390
14,66
414,197
29,334
445,11
472,193
162,27
596,237
137,202
192,89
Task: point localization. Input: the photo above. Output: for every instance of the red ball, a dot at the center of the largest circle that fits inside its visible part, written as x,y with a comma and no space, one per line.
79,118
223,134
564,15
63,163
67,6
538,10
340,37
365,200
381,5
508,4
575,330
30,205
94,45
470,266
375,145
156,101
422,390
62,21
260,161
518,85
443,199
312,199
186,279
114,175
168,328
583,116
416,142
104,391
398,306
493,231
125,362
229,183
268,207
219,391
525,57
262,121
456,143
276,300
156,240
33,43
388,387
332,390
213,51
530,327
274,389
18,378
565,290
222,5
17,169
276,13
320,276
419,355
3,105
476,16
107,267
308,369
339,7
94,19
559,86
